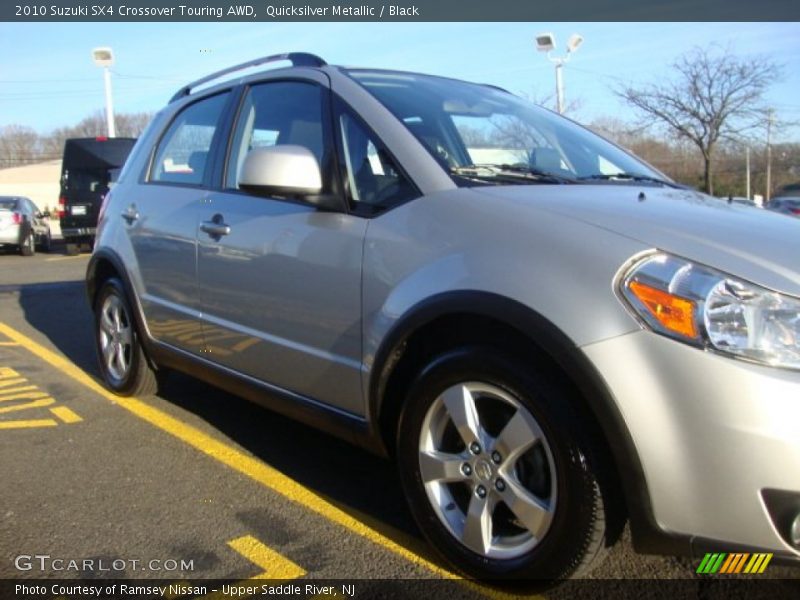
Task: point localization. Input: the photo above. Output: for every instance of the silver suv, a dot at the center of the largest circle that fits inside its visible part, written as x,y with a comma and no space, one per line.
549,335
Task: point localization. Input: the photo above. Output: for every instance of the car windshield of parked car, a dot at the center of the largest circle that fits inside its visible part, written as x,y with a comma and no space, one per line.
8,204
482,134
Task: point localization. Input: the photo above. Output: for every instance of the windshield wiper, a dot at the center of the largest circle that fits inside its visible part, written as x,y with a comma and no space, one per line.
632,177
515,172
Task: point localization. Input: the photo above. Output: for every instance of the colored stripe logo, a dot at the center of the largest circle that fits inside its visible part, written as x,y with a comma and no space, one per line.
728,564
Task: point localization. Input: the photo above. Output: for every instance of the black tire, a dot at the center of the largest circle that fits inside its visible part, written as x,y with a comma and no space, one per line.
120,355
27,243
560,471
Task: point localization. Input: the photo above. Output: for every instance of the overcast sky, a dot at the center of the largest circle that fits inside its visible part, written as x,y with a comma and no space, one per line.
47,78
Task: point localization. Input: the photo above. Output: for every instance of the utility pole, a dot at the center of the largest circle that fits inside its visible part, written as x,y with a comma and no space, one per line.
770,120
747,163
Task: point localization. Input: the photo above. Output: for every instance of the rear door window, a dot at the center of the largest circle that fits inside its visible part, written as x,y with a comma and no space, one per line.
183,154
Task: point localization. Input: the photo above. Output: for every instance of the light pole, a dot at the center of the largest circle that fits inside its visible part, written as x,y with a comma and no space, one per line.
104,57
770,122
546,42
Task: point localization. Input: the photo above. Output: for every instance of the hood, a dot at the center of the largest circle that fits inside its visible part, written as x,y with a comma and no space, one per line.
754,244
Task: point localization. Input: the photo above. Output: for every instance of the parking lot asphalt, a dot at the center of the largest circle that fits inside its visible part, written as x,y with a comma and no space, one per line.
192,483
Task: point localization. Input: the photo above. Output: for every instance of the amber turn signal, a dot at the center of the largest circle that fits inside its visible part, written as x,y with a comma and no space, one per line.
673,312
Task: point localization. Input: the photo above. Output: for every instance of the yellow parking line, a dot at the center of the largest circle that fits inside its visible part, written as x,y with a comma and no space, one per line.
9,344
16,393
238,461
27,405
56,258
16,390
275,566
66,414
28,424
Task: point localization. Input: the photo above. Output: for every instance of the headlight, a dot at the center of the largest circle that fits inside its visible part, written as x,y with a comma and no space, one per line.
707,308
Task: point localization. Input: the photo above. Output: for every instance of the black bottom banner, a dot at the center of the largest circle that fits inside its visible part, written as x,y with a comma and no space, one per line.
213,589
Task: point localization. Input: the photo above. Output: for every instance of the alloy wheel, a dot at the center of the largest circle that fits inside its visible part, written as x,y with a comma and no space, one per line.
488,470
116,337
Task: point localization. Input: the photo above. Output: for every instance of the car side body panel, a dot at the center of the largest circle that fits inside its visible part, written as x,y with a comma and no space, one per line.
446,242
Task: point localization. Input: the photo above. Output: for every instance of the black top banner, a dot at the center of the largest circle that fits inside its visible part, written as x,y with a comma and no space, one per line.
399,10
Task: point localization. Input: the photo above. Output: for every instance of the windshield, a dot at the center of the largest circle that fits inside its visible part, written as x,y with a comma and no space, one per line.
8,204
483,134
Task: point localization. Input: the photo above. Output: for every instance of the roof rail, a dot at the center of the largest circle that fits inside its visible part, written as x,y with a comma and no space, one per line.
496,87
298,59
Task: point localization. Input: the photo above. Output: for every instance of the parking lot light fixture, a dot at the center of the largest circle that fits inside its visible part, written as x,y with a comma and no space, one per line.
104,57
546,42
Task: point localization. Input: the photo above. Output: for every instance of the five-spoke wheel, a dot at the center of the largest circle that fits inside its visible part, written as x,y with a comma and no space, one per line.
119,350
497,468
488,469
116,337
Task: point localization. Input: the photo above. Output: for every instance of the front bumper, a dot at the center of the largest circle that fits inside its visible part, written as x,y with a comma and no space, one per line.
715,436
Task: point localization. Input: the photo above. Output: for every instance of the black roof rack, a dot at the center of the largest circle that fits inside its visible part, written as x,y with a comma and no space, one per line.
495,87
298,59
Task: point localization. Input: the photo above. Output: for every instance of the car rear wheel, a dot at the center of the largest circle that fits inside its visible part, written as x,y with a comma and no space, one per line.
27,246
497,472
119,350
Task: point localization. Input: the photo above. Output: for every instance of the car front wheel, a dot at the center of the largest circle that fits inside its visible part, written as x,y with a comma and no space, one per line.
119,349
498,475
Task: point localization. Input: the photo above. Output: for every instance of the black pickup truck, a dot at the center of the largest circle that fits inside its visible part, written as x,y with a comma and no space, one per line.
88,168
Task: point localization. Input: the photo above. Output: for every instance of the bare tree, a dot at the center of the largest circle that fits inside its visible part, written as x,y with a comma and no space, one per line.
132,124
127,125
714,96
19,145
22,145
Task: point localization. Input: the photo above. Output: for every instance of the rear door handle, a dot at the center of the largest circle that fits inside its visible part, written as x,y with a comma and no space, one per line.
216,227
130,214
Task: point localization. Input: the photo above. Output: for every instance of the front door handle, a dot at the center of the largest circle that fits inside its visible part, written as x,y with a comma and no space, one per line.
216,227
130,214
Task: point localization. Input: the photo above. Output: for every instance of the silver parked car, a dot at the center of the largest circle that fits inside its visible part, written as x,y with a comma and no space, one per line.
548,334
23,226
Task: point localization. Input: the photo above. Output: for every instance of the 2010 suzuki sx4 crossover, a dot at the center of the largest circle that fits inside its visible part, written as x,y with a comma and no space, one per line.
548,335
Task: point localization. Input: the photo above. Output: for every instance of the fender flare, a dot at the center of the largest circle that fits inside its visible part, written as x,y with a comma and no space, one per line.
106,254
647,535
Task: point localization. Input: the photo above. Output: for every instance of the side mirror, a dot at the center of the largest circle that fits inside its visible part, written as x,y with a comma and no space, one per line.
285,170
